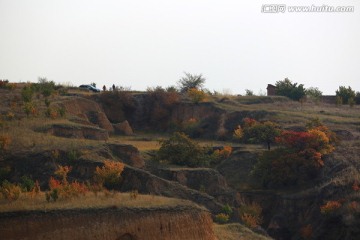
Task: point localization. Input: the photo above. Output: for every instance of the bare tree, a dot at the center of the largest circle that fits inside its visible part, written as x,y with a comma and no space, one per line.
191,81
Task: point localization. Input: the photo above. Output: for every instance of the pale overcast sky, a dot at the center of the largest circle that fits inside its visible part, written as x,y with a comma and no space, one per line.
146,43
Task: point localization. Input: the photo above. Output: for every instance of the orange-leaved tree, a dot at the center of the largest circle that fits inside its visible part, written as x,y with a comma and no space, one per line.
298,159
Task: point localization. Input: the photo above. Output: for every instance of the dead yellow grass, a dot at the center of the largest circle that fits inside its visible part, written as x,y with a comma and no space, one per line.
90,200
24,137
146,142
236,231
143,142
79,91
213,143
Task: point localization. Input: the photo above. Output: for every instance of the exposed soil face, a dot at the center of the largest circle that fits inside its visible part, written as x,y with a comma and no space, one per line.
148,183
123,112
185,111
118,106
179,223
123,128
128,154
78,131
203,179
144,112
89,111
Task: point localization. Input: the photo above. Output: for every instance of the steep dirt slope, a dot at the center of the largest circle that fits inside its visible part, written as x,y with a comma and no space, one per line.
178,223
88,111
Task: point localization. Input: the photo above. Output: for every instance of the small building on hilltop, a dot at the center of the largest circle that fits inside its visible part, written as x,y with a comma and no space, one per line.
271,90
330,99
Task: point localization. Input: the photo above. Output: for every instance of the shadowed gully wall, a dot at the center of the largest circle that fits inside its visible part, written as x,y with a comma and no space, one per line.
176,223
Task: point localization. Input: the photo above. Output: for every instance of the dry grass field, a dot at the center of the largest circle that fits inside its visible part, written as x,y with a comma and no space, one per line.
236,231
26,202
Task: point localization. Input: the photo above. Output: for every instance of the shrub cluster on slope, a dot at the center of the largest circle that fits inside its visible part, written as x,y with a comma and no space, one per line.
298,159
181,150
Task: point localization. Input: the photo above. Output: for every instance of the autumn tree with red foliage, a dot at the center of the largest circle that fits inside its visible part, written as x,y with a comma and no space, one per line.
298,159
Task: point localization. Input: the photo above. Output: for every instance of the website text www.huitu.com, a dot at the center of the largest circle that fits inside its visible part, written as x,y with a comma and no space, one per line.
282,8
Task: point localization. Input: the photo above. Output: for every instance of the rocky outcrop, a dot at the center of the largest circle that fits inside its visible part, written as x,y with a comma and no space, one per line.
177,223
100,119
117,105
123,128
202,179
143,111
79,105
147,183
87,110
78,131
127,154
186,111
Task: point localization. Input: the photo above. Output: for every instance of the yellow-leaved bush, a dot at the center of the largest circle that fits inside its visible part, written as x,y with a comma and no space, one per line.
109,175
